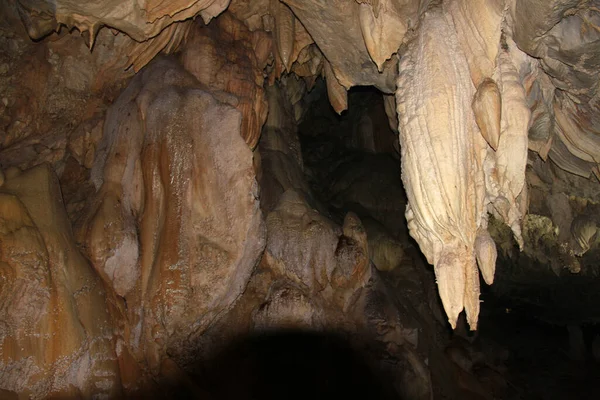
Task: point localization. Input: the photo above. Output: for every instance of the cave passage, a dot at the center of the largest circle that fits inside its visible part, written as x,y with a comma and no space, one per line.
352,160
525,347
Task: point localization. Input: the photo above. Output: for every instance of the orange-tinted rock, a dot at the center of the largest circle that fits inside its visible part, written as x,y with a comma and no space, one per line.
176,227
227,57
49,88
139,21
57,334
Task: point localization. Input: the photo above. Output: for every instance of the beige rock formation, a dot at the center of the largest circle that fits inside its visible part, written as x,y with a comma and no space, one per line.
452,177
441,161
311,251
139,21
175,228
335,28
383,25
56,332
228,58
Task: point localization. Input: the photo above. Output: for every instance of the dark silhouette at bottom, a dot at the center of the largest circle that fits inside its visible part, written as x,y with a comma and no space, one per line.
287,365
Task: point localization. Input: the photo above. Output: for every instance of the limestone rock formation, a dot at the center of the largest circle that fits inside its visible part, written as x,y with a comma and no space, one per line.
175,227
278,158
310,250
56,331
385,251
236,71
452,176
564,36
441,161
41,83
334,28
139,21
384,24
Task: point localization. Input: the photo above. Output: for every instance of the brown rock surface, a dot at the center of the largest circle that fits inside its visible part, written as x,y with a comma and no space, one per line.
335,28
51,88
161,187
312,252
139,21
57,334
228,58
175,227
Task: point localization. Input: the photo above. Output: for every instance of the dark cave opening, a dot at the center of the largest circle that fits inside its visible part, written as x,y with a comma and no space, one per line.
352,160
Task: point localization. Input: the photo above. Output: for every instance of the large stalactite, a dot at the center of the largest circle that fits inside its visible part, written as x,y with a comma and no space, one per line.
463,133
442,154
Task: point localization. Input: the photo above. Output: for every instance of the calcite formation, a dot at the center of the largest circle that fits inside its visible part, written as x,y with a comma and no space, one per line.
335,29
229,58
56,332
383,25
463,136
138,20
175,227
440,168
313,253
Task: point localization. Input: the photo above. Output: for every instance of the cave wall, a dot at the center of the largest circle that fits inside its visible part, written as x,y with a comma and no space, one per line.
150,163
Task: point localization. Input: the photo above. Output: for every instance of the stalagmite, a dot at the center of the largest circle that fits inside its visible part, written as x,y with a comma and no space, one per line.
180,187
56,332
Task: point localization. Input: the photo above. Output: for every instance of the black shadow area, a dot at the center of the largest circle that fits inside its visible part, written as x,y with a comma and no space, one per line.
288,365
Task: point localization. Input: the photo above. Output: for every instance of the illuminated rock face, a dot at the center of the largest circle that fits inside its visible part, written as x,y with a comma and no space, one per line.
139,21
441,161
176,227
464,151
227,57
57,335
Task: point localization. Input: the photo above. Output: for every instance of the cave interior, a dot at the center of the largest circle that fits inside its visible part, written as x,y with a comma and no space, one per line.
399,200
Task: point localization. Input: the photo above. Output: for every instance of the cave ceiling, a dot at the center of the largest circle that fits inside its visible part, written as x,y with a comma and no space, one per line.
479,85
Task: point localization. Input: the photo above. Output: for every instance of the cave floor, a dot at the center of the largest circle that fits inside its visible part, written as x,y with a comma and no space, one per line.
538,365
